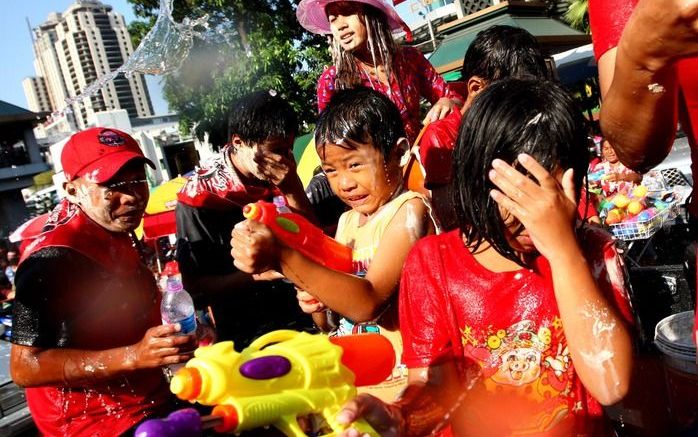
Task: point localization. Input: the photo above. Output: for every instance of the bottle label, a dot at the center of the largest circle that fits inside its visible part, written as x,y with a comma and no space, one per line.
188,325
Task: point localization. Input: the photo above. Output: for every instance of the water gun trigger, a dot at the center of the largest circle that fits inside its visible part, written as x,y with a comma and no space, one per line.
360,425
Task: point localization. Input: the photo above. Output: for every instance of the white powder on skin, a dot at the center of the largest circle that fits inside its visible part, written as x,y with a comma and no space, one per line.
245,157
412,223
601,357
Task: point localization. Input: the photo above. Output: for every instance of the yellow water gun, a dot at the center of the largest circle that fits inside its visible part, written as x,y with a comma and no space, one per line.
284,375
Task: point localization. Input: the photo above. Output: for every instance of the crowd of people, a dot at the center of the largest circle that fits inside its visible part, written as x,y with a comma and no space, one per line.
508,311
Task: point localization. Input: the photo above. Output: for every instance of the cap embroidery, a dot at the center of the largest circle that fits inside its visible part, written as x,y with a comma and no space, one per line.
111,138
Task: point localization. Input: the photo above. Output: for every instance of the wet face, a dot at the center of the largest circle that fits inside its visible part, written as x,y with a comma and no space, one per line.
118,204
347,24
360,176
256,161
608,153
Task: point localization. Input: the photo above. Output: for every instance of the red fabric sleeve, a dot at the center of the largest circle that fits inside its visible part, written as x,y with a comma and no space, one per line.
325,88
436,149
607,19
423,325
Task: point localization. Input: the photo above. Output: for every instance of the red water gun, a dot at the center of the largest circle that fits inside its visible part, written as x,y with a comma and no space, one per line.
298,233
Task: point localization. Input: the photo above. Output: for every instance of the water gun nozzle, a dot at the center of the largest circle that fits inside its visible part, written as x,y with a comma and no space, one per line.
251,211
186,383
229,416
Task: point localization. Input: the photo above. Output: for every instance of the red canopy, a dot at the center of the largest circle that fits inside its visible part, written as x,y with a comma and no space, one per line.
159,225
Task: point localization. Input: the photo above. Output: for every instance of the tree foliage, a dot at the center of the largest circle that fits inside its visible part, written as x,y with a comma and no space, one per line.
577,15
267,49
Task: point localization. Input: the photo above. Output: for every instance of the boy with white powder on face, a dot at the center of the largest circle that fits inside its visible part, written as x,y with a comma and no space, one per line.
256,164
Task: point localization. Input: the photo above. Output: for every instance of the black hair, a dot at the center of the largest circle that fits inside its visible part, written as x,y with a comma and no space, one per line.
382,46
511,117
260,115
360,115
504,51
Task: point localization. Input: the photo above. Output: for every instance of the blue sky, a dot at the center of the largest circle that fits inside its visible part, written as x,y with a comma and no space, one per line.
18,58
16,47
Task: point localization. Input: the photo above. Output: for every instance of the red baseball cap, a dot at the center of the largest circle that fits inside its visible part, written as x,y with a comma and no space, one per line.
99,153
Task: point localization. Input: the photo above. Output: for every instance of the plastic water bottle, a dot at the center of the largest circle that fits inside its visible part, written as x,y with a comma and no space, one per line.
281,205
177,306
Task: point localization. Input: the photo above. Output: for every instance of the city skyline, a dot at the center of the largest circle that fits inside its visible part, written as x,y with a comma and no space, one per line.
19,49
16,45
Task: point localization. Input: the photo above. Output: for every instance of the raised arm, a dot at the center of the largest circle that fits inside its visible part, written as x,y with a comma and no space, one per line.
597,335
360,299
638,75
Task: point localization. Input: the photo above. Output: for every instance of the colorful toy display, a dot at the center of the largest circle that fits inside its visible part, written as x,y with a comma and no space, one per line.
281,376
297,232
637,214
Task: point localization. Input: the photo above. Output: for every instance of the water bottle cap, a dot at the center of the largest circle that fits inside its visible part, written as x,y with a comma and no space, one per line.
279,201
171,268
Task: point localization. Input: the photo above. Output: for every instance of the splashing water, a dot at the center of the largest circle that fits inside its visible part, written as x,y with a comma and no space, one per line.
162,50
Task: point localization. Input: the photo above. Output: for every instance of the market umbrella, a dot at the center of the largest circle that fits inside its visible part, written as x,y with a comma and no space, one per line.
159,218
306,157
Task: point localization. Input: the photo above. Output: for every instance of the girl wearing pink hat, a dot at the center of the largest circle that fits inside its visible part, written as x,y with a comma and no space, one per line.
364,53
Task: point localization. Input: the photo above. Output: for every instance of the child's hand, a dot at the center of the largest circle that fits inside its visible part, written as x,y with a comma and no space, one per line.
547,209
254,247
277,169
440,109
385,419
309,304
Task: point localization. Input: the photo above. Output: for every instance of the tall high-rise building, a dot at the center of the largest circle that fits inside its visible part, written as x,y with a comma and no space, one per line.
75,48
37,94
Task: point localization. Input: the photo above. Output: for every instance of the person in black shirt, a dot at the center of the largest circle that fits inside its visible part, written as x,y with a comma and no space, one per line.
257,164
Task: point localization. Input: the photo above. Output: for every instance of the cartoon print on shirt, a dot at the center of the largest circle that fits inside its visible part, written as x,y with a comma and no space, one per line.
529,362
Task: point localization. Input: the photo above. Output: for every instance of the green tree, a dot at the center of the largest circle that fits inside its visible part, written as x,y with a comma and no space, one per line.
267,49
577,15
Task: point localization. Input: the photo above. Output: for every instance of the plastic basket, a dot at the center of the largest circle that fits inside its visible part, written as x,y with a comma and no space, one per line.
641,230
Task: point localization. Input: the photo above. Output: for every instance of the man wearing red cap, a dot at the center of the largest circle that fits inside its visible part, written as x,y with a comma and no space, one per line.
88,343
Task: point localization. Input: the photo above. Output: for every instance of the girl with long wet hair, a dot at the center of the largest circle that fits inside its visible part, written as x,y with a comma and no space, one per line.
518,321
364,53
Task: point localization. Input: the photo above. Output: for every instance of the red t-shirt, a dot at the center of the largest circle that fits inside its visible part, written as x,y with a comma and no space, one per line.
507,328
607,19
436,149
79,286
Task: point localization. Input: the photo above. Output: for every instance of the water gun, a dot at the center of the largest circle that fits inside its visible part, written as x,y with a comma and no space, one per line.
182,423
281,376
298,233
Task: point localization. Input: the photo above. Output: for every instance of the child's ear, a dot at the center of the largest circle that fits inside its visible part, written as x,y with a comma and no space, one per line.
475,86
402,150
236,141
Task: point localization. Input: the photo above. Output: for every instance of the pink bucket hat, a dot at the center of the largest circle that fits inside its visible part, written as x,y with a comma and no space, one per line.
311,15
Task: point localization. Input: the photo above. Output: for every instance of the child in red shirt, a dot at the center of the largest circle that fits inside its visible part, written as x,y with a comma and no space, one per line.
517,322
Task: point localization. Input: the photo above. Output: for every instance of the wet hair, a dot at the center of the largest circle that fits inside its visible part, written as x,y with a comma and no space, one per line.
380,43
504,51
360,115
510,117
260,115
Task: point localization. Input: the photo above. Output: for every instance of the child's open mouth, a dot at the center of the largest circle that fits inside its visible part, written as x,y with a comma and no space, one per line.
356,200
